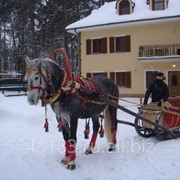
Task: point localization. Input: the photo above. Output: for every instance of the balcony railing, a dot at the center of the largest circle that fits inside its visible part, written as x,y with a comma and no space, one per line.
160,51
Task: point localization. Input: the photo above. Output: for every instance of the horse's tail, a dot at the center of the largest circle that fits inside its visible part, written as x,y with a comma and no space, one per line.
110,125
107,125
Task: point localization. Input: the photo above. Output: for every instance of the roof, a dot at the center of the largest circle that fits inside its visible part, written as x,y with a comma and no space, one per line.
106,16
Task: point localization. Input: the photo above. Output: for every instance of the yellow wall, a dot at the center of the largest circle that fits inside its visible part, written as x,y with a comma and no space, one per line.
144,34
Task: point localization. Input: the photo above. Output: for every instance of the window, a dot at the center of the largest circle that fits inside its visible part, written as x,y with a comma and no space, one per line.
174,80
124,7
96,46
122,79
120,44
158,5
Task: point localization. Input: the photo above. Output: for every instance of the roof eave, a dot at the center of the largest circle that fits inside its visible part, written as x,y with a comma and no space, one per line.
117,24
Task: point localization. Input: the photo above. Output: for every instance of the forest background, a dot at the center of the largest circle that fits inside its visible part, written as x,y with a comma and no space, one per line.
36,27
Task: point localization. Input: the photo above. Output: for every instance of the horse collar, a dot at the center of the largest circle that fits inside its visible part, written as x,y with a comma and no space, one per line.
52,97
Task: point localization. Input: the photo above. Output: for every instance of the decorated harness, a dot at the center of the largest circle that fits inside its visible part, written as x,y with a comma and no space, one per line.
70,84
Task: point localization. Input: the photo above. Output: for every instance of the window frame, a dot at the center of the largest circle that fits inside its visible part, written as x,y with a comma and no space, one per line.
121,78
124,7
96,46
120,44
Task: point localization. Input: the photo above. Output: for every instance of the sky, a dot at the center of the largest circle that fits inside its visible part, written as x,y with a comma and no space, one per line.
27,152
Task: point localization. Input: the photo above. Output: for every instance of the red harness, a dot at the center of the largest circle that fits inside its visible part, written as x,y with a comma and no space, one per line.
41,76
85,83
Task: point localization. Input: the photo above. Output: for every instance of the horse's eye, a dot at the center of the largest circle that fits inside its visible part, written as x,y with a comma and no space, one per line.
36,78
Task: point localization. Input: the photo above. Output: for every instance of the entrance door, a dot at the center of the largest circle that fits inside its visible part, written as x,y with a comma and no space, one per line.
174,83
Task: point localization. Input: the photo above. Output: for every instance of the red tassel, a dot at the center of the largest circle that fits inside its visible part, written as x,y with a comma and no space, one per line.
101,132
46,125
86,131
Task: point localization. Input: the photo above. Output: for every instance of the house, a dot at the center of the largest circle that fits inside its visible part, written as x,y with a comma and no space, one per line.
128,41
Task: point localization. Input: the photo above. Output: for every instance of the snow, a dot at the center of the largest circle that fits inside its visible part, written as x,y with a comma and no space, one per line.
27,152
107,15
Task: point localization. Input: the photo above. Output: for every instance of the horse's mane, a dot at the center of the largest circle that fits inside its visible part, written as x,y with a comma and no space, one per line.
34,62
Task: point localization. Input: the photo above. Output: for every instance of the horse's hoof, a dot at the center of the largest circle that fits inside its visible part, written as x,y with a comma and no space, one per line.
112,148
65,160
71,165
88,151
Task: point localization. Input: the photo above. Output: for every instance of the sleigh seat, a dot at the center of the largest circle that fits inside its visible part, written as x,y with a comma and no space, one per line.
171,110
151,112
170,117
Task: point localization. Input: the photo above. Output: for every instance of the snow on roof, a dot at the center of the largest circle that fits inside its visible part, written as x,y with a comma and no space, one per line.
107,15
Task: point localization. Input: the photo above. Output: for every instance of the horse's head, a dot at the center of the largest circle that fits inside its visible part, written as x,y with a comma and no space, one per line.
45,79
36,79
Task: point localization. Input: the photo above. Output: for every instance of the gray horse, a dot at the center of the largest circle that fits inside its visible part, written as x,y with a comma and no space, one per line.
47,82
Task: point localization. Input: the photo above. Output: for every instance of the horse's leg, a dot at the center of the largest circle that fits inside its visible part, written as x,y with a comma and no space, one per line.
70,144
92,143
70,153
111,126
66,158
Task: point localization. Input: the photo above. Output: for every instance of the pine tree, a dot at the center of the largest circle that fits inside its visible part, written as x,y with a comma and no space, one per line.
36,27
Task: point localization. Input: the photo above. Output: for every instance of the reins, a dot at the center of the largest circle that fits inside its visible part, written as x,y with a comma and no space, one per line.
131,102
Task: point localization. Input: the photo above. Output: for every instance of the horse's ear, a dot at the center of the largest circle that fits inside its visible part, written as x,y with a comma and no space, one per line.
27,60
39,61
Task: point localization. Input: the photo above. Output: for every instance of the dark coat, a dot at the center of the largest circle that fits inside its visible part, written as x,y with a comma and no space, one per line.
159,90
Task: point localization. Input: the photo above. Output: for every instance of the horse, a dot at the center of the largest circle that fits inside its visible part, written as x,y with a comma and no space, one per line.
47,81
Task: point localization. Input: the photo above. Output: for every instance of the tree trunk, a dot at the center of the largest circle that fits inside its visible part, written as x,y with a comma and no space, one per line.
5,50
32,25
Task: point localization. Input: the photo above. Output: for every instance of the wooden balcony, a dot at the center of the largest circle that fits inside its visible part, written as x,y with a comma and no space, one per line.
160,51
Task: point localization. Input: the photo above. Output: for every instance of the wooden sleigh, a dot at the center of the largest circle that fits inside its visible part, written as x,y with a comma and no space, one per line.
167,115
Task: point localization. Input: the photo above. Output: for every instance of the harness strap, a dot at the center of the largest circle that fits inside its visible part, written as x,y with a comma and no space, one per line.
50,100
31,70
88,100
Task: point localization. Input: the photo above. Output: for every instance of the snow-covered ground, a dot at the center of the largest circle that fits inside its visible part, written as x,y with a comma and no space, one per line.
27,152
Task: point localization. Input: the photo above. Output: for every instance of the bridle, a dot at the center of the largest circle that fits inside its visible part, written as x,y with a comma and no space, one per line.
29,72
47,98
